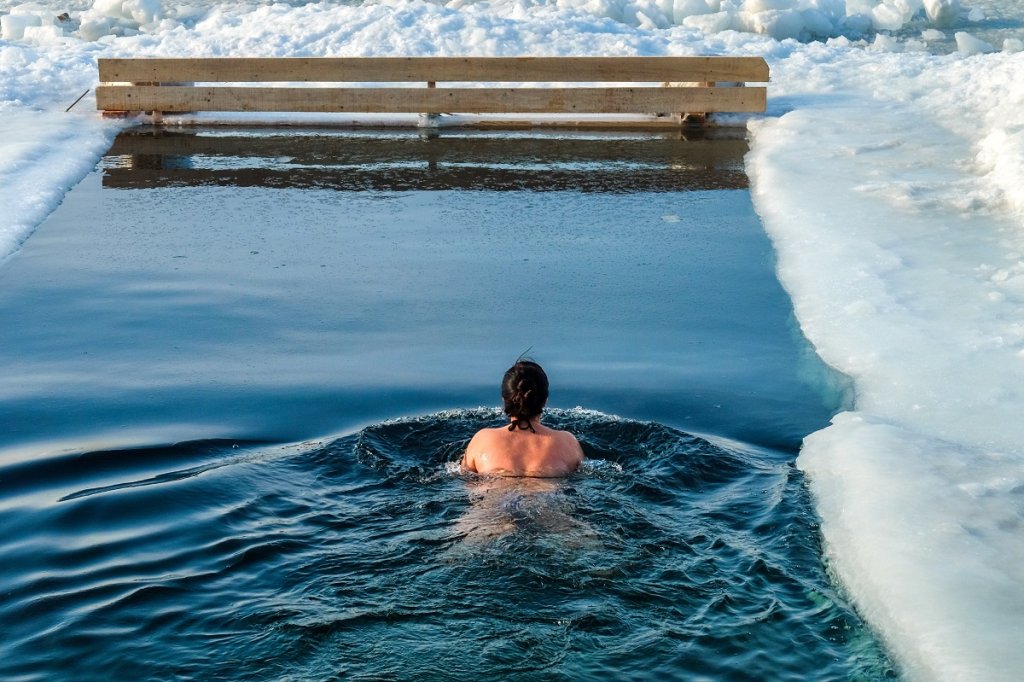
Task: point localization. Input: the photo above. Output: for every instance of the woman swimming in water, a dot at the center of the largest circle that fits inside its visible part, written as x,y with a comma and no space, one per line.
525,447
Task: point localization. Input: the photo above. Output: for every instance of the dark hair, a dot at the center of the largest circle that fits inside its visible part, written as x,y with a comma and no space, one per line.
524,392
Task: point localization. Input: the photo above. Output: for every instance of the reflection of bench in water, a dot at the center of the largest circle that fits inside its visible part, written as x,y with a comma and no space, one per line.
401,161
685,87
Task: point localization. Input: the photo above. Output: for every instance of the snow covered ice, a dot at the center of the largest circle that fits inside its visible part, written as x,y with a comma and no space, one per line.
889,173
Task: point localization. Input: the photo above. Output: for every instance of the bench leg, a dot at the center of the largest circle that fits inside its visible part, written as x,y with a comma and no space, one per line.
430,120
692,120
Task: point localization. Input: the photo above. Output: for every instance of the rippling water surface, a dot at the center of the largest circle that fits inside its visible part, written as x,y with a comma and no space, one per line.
179,335
372,557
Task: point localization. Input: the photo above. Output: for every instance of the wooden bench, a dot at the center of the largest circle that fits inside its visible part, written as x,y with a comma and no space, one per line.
665,91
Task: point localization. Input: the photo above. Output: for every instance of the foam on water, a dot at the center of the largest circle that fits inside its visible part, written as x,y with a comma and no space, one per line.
888,173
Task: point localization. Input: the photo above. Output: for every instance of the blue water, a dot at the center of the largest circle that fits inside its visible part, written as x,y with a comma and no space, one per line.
240,368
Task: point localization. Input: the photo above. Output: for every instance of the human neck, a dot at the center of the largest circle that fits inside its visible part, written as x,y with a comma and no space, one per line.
534,421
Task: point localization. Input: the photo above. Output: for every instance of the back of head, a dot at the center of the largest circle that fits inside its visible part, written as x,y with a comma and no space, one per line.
524,392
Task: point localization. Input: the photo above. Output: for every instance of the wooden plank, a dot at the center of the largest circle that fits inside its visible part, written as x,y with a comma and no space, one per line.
445,69
635,123
170,99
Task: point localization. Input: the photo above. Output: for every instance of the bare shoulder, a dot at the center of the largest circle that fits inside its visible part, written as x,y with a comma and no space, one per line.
571,444
567,437
486,435
478,444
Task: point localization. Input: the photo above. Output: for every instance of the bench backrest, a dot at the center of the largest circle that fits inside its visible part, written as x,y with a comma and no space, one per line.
180,84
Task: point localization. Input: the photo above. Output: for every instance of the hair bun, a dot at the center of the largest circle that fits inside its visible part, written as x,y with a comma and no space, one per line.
524,392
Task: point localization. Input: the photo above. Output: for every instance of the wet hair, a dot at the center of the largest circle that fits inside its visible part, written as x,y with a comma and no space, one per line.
524,392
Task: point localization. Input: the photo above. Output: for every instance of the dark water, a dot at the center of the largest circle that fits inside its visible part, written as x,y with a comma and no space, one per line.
370,557
180,335
276,286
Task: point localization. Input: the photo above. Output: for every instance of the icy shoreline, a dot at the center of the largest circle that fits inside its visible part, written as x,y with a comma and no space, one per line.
889,178
905,276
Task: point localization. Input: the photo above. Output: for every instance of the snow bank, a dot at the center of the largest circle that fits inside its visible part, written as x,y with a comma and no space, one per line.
898,228
778,19
43,150
37,170
120,17
31,23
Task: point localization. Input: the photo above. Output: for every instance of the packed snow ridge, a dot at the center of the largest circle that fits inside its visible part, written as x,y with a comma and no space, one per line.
779,19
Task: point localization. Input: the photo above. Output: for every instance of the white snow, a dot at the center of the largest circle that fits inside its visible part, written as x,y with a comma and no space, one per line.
968,44
895,205
889,173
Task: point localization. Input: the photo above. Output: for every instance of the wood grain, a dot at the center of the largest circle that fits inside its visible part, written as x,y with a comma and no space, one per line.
582,100
436,69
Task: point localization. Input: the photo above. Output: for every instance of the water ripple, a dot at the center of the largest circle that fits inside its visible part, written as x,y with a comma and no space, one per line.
373,556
